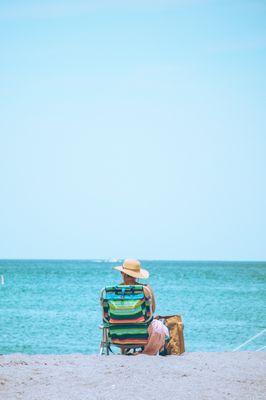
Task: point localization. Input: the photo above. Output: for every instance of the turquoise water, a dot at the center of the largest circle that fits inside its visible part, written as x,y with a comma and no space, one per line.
53,306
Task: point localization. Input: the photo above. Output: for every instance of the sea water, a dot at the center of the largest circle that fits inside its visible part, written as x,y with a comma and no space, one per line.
52,306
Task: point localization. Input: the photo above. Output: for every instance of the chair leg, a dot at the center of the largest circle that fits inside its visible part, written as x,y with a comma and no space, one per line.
104,347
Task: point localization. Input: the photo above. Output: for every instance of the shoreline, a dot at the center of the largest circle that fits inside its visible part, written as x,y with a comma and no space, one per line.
199,376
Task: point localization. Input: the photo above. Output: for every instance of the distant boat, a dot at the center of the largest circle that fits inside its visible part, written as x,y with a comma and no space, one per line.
2,280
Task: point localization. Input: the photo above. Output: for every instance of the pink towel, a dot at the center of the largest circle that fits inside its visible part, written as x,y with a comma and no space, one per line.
157,332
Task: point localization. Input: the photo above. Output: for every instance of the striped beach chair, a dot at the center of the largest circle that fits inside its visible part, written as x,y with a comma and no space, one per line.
127,314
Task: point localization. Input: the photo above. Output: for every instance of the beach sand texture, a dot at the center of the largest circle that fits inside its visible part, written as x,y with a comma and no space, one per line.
199,376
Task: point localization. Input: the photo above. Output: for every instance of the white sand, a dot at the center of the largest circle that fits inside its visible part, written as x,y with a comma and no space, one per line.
199,376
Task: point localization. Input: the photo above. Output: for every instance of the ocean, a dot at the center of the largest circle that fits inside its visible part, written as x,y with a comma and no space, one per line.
52,306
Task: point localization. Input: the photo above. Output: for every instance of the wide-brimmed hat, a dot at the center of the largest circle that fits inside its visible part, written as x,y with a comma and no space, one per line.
133,268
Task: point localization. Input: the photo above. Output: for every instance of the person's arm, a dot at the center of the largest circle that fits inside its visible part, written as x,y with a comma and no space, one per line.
150,295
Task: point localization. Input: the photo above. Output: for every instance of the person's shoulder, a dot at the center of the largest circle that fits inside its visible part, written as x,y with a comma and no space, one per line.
148,287
145,285
147,290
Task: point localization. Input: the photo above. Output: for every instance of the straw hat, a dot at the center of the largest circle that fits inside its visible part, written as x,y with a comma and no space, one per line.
133,268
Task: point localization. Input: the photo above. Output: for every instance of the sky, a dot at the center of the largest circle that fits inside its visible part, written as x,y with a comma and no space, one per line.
133,129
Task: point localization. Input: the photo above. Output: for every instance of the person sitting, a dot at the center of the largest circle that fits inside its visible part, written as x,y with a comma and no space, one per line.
131,271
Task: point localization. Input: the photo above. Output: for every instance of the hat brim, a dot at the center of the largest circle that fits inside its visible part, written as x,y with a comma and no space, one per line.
143,273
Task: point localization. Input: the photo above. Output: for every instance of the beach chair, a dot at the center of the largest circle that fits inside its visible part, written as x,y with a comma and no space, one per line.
127,314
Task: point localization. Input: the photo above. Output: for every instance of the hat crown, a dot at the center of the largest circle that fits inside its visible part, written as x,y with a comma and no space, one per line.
132,265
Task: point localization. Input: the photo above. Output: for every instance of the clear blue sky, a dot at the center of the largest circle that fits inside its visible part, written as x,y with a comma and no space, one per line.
133,129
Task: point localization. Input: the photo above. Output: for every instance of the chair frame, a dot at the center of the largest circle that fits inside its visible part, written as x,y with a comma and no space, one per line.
106,343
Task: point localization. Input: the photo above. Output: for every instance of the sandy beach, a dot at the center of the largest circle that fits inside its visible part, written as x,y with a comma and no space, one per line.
201,376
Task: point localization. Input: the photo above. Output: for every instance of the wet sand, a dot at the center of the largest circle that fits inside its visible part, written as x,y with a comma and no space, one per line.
199,376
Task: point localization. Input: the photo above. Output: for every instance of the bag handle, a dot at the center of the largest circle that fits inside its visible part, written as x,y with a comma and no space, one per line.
166,316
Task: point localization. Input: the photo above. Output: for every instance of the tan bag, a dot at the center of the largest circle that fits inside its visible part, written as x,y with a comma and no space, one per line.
174,323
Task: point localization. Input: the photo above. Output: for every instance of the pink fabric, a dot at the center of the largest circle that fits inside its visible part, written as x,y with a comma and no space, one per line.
157,332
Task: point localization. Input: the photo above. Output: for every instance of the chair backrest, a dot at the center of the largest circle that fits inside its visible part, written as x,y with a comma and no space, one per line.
127,313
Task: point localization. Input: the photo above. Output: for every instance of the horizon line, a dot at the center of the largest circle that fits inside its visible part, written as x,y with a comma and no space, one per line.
114,260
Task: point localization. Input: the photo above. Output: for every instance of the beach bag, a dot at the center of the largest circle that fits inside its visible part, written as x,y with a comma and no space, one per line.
175,344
